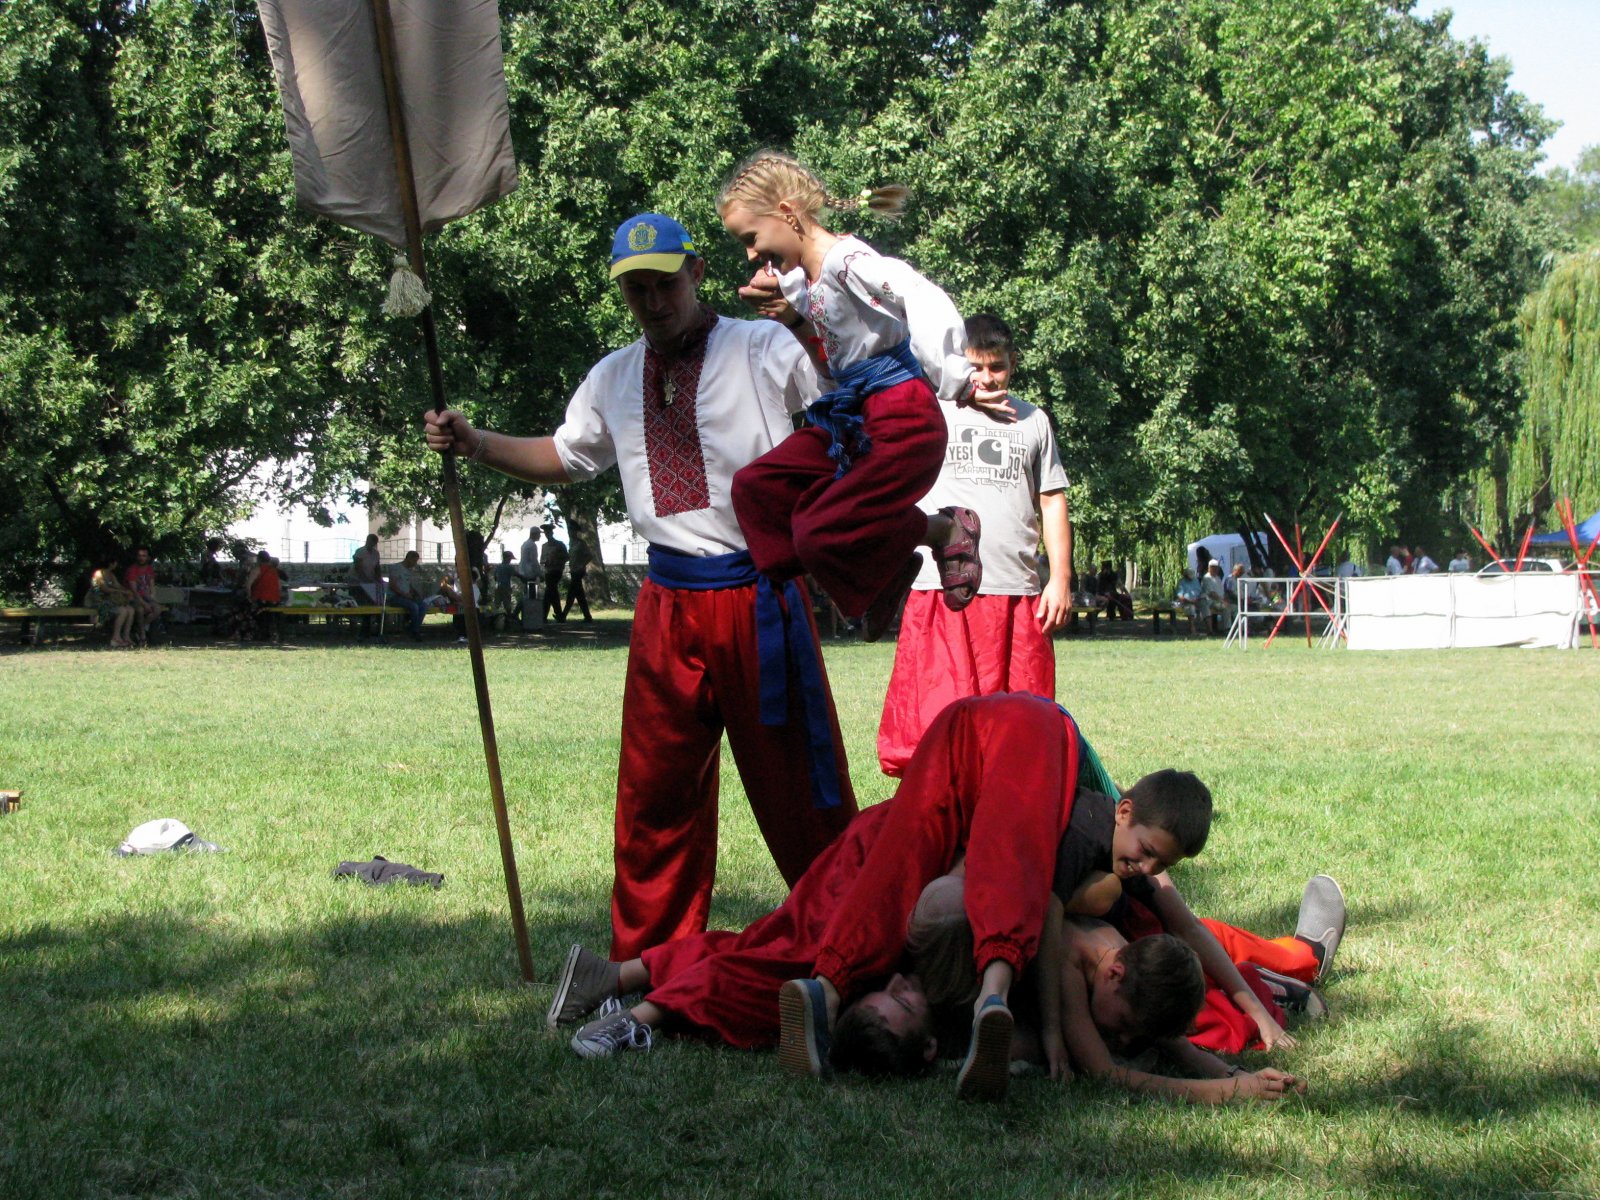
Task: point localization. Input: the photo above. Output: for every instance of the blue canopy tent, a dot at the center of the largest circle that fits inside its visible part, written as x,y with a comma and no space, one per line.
1587,531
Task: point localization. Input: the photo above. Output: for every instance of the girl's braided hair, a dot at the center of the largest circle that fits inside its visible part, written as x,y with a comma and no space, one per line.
768,177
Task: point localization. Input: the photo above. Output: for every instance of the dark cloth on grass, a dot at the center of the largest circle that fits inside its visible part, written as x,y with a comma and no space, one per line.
380,871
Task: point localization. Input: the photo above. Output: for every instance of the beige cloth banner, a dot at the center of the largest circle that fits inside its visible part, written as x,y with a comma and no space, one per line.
453,95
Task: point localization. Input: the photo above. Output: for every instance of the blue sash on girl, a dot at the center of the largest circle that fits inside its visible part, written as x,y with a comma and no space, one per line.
839,411
783,645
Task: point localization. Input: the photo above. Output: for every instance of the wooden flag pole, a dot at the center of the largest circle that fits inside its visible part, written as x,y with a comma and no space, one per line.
452,489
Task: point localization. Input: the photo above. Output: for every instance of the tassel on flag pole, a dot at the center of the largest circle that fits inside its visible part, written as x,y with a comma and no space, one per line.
397,126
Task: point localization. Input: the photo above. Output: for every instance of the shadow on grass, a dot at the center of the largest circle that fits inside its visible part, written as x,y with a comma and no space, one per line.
1448,1072
391,1053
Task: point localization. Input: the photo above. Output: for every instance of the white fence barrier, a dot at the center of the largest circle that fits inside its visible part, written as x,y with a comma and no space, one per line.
1420,612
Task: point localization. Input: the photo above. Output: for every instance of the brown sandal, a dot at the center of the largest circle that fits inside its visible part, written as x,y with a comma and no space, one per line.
960,568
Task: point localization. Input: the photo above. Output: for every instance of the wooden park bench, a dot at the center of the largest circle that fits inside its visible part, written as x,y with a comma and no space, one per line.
1092,611
1155,612
31,621
331,612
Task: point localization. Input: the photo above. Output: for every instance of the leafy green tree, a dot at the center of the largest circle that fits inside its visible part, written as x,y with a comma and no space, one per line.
1262,256
167,321
1573,198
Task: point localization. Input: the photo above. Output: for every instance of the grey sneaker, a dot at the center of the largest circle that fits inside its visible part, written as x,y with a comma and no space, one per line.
1294,996
587,980
610,1035
1321,920
803,1037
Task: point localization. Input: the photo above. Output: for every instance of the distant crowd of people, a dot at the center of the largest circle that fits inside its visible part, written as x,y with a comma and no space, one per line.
247,589
1204,598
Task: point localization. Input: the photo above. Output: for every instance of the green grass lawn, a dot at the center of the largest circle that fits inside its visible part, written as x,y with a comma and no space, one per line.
245,1025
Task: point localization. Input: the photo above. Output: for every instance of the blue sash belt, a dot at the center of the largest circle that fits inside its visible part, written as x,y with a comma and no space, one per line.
784,647
839,411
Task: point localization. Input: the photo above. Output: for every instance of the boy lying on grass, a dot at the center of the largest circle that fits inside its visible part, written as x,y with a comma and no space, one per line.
1092,882
1105,1006
1282,972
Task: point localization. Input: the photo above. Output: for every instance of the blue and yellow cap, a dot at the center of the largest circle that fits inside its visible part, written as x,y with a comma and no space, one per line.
650,242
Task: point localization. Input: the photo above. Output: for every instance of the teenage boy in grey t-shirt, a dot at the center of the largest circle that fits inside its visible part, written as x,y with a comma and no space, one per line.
1010,474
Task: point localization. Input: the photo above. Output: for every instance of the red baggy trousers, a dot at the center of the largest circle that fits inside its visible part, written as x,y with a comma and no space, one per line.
992,645
726,984
995,775
693,673
854,533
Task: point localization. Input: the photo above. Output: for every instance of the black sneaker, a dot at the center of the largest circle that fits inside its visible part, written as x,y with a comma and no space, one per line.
586,981
803,1037
986,1071
1321,921
1293,996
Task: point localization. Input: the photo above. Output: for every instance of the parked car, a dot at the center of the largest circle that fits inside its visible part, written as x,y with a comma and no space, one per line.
1528,564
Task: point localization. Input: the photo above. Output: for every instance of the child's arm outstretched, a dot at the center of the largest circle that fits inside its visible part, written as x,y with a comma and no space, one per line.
938,336
1177,919
1268,1083
1090,1056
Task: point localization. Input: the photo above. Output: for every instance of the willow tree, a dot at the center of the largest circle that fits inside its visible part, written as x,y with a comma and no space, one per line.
1555,450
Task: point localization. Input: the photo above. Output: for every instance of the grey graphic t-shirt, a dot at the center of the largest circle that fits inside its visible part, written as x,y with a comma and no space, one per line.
998,471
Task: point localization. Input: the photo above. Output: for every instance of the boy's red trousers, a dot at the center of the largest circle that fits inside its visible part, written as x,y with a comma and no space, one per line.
992,645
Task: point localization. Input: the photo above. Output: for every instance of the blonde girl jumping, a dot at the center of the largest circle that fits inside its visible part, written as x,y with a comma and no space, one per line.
839,498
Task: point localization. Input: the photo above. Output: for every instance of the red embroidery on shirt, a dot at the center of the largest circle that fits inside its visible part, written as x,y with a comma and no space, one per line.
672,432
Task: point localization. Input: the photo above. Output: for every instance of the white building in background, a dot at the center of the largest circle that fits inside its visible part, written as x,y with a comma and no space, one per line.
289,533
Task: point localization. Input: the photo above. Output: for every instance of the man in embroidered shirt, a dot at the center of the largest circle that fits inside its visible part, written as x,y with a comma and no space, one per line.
678,412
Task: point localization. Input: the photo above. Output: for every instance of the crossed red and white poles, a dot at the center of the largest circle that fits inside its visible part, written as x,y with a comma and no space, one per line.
1580,564
1522,551
1303,569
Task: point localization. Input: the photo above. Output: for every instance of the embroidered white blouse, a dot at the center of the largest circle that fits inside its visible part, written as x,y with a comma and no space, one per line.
865,304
